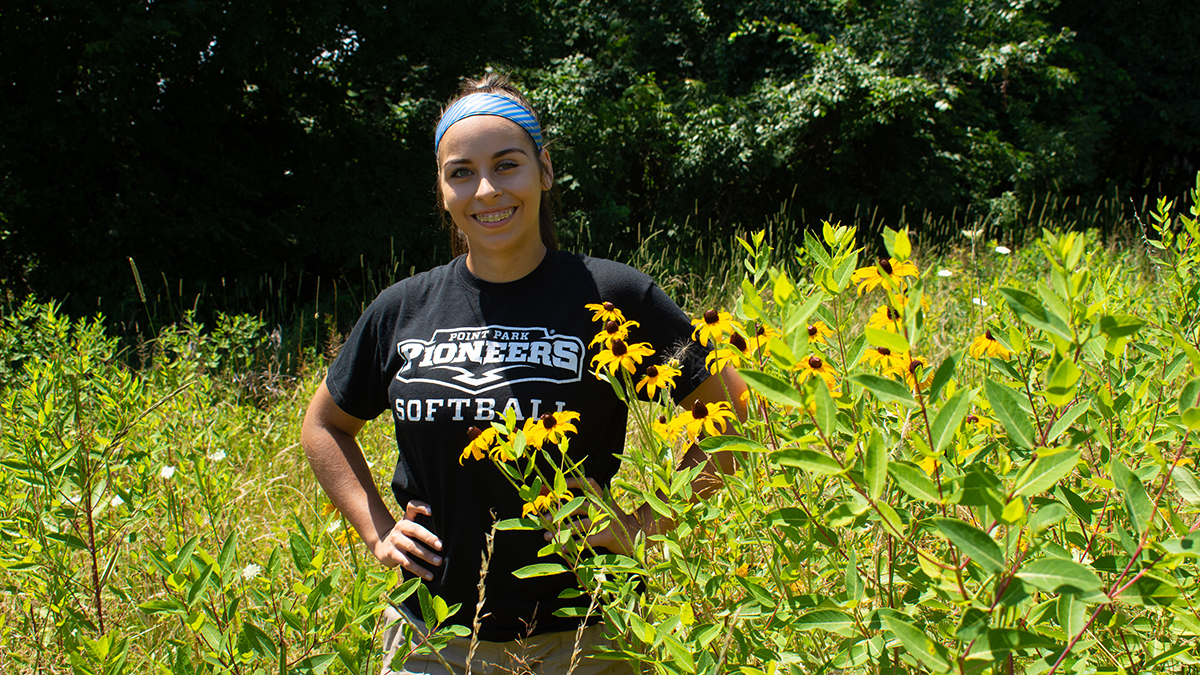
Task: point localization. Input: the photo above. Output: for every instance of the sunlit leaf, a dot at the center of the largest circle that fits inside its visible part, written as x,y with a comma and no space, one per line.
973,542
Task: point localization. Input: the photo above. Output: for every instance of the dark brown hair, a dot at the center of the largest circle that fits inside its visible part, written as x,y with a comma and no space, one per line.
495,83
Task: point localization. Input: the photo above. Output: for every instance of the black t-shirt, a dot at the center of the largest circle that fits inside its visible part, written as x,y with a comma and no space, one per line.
445,351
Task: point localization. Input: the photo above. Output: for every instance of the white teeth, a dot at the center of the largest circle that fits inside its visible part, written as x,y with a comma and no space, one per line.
495,217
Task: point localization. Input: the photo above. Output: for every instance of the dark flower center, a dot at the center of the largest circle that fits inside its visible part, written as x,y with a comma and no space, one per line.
711,316
608,307
884,351
812,330
972,419
886,265
651,371
699,410
611,326
662,419
762,330
814,362
738,341
473,433
548,421
892,314
914,364
987,333
618,348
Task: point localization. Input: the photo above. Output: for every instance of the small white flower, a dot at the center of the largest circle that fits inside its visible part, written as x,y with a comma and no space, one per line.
1003,250
251,571
217,456
979,301
334,527
116,501
972,234
945,273
942,105
167,471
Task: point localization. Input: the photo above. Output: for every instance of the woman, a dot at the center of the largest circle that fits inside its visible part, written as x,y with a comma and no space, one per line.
503,326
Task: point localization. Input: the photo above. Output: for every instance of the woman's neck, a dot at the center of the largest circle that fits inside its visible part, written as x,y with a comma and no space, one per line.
500,269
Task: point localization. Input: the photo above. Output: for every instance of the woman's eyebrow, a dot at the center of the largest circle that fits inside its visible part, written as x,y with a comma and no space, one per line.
496,155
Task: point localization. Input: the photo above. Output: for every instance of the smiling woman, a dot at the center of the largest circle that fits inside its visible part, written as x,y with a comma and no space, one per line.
499,330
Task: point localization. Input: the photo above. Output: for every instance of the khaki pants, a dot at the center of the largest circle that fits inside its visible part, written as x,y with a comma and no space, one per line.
545,654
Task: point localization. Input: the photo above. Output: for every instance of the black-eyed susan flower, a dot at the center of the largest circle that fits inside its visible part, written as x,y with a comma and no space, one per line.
886,318
916,369
729,354
893,270
620,355
658,377
549,428
605,311
710,418
988,345
668,429
714,325
762,335
479,442
818,331
815,365
886,359
544,502
613,330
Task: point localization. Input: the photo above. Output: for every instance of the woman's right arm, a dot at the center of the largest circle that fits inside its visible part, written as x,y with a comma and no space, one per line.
330,444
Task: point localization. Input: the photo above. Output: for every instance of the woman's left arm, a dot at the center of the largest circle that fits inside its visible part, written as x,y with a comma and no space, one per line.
727,386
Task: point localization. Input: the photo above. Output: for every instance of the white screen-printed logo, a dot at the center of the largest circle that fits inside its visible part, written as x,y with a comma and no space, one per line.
474,360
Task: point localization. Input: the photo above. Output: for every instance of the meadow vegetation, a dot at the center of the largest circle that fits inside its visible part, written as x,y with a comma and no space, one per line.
971,459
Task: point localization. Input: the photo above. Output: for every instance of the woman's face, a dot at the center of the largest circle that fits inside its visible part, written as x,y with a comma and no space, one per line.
491,184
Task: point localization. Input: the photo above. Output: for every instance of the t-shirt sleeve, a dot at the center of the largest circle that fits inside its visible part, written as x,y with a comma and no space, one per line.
665,326
356,378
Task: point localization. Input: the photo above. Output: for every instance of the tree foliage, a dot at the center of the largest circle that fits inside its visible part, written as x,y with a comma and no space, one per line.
218,142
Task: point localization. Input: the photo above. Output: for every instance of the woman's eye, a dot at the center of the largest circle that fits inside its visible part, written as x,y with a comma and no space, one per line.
459,173
506,164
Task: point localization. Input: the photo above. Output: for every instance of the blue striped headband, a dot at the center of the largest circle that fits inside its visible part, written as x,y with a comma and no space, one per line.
488,104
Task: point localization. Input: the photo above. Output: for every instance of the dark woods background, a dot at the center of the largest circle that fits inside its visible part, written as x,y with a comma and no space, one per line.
237,150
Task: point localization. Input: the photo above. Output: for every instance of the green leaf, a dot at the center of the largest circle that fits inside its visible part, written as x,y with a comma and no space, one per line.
949,418
890,518
1137,502
1120,325
1052,574
1044,472
885,389
1068,418
1185,481
973,542
1006,404
1189,545
913,480
828,620
1189,404
998,642
773,389
1188,349
918,644
943,374
1029,309
1072,614
315,664
875,464
540,570
886,338
809,460
1060,385
165,605
826,410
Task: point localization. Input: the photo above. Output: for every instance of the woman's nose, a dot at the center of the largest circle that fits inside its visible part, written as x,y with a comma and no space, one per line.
486,189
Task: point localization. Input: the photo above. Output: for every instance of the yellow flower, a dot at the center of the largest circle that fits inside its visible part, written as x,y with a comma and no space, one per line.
479,443
658,377
916,366
668,429
605,312
987,345
886,318
549,428
868,278
613,330
710,418
713,325
620,355
815,365
544,502
727,355
886,359
818,331
762,335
